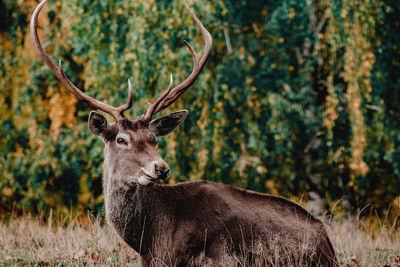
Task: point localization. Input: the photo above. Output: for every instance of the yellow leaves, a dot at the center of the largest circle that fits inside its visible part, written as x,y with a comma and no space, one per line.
262,169
34,141
343,13
19,152
166,36
249,80
3,107
53,200
62,111
359,58
264,12
251,61
148,5
7,191
395,63
331,104
85,198
270,185
291,13
271,99
170,22
202,162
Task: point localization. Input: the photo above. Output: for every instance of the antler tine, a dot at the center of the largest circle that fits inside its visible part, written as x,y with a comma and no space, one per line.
128,104
117,113
152,109
166,99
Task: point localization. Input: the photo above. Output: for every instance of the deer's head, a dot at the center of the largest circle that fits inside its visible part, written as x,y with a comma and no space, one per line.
130,152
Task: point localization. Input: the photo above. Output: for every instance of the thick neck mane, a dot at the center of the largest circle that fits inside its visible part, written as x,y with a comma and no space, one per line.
132,211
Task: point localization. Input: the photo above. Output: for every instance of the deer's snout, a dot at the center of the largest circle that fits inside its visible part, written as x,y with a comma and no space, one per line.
161,169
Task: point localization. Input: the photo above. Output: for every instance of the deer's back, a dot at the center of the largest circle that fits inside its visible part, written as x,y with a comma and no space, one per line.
210,215
212,202
194,217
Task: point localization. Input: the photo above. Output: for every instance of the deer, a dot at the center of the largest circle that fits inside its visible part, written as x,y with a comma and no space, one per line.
174,224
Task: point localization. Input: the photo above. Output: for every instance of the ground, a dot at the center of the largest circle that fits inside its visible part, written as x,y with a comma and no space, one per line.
69,241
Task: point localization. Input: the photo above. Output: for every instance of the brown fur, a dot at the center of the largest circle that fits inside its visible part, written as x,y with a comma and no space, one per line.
175,224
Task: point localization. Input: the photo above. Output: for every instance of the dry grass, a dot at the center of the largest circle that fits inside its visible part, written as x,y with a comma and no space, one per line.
366,242
28,241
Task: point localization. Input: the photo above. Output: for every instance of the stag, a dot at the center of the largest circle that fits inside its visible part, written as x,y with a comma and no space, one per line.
175,224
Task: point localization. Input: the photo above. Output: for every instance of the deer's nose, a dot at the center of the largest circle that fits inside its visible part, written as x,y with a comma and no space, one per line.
161,170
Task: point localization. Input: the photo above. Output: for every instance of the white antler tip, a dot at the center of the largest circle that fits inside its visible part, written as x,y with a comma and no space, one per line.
130,92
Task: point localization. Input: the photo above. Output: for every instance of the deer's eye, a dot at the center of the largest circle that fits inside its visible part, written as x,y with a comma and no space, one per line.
121,141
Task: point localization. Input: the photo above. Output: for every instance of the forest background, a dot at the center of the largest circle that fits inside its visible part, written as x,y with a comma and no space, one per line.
299,98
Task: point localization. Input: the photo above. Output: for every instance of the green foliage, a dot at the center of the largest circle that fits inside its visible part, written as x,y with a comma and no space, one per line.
296,96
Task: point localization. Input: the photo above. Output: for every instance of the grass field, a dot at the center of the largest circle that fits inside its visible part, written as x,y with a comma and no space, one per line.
69,241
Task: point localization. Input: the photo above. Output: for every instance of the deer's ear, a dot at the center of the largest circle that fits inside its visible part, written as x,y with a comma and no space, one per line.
168,123
98,124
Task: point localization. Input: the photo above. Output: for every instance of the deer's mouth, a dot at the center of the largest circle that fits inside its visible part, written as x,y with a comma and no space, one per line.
151,178
145,179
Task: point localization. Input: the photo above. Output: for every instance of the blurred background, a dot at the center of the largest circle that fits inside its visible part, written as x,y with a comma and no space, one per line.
298,98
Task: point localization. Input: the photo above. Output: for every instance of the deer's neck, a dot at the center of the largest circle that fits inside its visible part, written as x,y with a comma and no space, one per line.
136,212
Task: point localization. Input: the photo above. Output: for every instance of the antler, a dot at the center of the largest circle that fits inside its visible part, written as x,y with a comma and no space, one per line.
170,95
117,113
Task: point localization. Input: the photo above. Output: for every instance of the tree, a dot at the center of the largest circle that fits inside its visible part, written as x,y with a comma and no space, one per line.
296,97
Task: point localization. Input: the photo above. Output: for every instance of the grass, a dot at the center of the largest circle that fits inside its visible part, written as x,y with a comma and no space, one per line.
365,242
71,241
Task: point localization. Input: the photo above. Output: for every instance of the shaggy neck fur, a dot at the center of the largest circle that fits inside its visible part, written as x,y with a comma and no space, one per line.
132,208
